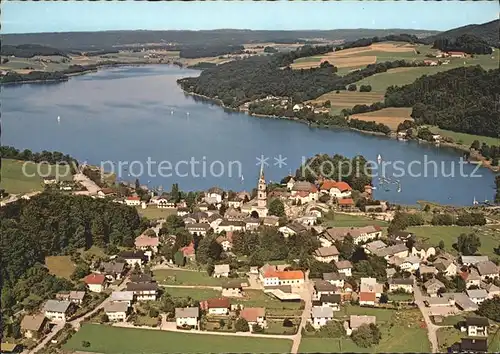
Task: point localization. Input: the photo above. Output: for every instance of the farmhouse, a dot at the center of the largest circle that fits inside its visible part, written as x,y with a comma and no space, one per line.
332,301
219,306
432,286
477,296
304,191
146,243
270,276
405,284
320,316
487,270
398,250
322,287
446,266
122,296
232,288
472,260
254,315
132,257
187,316
476,326
95,282
34,326
56,310
292,229
133,201
359,234
112,270
373,246
422,251
221,270
143,291
116,311
335,189
334,278
198,229
230,226
344,267
327,254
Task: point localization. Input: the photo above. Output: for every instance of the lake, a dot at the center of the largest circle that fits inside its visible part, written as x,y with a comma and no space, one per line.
132,115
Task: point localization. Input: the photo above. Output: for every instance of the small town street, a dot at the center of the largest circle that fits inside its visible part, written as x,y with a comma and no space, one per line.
431,327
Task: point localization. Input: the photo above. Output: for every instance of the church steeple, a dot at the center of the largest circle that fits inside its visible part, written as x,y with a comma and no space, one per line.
261,189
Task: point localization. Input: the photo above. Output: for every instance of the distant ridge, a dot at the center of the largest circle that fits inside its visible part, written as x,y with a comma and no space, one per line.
113,39
488,32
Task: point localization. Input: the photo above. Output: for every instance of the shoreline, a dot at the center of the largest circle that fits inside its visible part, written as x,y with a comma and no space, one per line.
393,135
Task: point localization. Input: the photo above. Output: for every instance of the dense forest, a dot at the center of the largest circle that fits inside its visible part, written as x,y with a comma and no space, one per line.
202,65
486,31
237,82
12,77
210,51
54,224
461,99
30,50
365,42
466,43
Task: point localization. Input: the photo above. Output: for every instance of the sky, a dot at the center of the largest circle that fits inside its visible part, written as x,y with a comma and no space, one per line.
28,16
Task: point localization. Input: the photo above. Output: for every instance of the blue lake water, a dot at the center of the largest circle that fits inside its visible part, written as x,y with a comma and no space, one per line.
135,113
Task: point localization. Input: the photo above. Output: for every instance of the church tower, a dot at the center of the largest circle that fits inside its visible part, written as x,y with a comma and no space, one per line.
261,190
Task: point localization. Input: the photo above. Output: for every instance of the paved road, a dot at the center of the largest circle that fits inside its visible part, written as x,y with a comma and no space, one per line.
431,327
306,295
191,286
87,183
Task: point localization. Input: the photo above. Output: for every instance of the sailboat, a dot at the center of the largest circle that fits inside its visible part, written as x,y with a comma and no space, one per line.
187,113
475,202
379,159
399,188
242,178
171,113
58,119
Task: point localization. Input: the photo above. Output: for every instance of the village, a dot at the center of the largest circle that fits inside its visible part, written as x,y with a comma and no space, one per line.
358,274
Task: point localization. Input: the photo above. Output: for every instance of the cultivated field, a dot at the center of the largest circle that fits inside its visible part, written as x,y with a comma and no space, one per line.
391,117
60,266
464,138
196,294
347,99
15,180
115,340
489,236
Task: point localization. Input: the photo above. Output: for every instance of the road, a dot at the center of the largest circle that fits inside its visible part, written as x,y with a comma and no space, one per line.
87,183
306,295
431,327
191,286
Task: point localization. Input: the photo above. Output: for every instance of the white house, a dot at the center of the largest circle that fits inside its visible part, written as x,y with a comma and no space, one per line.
320,316
122,296
187,316
216,307
291,229
472,260
405,284
473,279
290,183
164,203
116,311
133,257
254,315
476,326
143,291
327,254
226,241
270,276
332,301
344,267
422,251
221,270
477,296
198,229
370,285
432,286
487,270
446,266
230,226
133,201
336,279
57,311
95,282
409,264
323,287
214,195
335,189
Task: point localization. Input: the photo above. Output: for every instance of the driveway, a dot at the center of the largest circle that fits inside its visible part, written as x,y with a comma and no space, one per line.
306,295
431,327
47,339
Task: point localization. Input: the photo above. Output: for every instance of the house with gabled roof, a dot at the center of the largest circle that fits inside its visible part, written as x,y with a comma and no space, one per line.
254,315
199,229
432,287
34,326
187,316
57,311
292,229
326,254
95,282
487,270
477,296
216,306
230,226
116,311
320,316
405,284
221,270
344,267
476,326
335,278
356,321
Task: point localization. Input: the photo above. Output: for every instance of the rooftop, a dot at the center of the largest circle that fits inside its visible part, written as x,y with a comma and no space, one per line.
322,312
326,251
221,268
222,302
122,296
356,321
95,279
323,286
476,321
56,306
252,313
343,264
187,312
487,268
33,322
116,307
477,293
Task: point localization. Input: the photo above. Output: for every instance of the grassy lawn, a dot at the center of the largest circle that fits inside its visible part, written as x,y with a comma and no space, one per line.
465,139
489,237
15,180
452,320
257,298
447,336
402,334
196,294
93,251
115,340
152,212
343,220
276,327
60,266
383,315
183,277
401,297
403,76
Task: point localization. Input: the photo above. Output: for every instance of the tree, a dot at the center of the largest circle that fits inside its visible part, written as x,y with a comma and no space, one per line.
475,145
352,87
332,329
346,247
175,194
490,308
241,325
104,318
365,88
384,298
81,270
153,313
441,245
468,244
328,104
85,344
257,328
366,335
277,208
254,215
287,322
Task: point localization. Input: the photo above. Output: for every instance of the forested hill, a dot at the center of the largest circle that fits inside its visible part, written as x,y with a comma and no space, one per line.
486,31
53,224
462,99
114,39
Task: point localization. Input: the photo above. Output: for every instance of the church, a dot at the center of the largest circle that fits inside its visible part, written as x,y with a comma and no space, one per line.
258,204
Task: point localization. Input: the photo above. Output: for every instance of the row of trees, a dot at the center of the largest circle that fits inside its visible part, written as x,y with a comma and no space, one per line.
210,51
488,151
30,50
52,157
464,219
